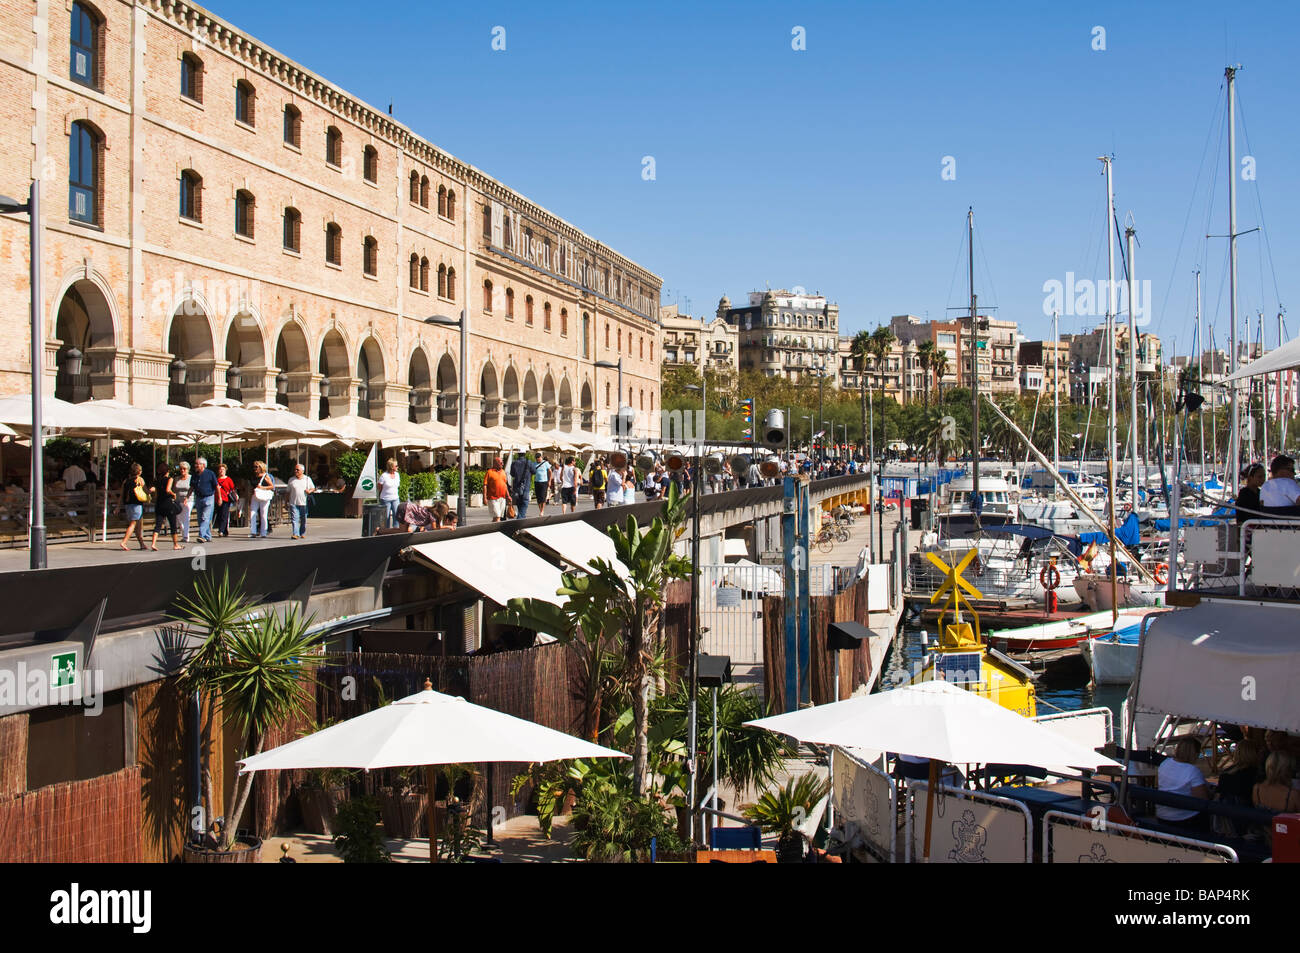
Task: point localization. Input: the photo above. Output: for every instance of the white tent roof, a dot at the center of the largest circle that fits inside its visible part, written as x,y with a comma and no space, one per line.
494,565
936,720
1282,358
426,728
577,543
74,420
1232,663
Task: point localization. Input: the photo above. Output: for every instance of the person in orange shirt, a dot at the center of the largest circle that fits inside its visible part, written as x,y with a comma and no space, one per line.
496,490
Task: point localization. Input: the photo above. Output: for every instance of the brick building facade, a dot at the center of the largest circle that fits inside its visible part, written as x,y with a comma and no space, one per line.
208,203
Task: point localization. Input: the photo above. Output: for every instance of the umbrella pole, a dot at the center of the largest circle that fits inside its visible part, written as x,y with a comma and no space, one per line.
431,784
929,806
108,451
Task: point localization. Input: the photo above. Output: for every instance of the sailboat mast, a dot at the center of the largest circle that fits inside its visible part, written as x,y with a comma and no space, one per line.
1234,438
974,370
1283,404
1110,347
1129,233
1263,386
1214,426
1200,374
1056,393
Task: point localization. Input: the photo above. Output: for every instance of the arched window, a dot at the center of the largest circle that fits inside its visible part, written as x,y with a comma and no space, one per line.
451,284
442,281
546,253
487,289
424,274
87,46
607,395
451,203
442,200
370,256
415,187
606,334
415,270
510,304
370,166
564,322
245,103
629,395
564,259
652,351
333,147
334,244
528,311
586,334
292,229
191,196
620,340
642,395
83,174
641,346
546,316
244,204
292,126
424,191
192,77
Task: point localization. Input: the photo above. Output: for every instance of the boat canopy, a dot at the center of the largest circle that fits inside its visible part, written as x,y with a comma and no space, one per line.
1223,661
1129,533
1023,529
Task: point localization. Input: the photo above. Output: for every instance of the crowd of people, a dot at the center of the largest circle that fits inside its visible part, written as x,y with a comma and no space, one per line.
1278,495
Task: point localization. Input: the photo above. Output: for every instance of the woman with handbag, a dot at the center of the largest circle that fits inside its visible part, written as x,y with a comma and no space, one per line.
165,506
134,497
260,505
226,498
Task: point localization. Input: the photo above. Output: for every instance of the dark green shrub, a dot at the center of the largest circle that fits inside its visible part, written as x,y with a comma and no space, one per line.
361,838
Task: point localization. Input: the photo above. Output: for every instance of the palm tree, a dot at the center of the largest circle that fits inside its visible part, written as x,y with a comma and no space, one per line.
860,349
881,342
939,365
925,355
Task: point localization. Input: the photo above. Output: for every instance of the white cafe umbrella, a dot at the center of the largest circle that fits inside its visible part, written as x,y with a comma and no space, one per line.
939,721
1283,358
426,728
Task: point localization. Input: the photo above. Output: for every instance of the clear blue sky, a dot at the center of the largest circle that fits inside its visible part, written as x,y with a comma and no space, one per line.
821,167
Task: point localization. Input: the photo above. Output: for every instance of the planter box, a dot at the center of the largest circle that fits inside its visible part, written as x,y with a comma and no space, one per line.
425,503
452,501
404,814
476,499
319,807
247,850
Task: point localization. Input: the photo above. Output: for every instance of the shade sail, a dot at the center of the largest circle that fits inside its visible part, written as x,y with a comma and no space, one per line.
577,543
495,566
1282,358
426,728
936,720
1234,663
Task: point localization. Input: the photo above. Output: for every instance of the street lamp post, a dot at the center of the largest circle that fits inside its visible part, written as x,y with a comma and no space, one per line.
36,523
693,649
618,399
460,455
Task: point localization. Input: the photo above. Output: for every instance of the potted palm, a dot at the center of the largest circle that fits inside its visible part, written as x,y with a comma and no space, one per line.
249,668
321,793
783,811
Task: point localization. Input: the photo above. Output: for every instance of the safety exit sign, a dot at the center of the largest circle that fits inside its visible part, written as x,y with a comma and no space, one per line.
63,670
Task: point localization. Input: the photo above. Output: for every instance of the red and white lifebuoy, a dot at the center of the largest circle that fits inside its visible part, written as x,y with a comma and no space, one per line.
1049,577
1161,573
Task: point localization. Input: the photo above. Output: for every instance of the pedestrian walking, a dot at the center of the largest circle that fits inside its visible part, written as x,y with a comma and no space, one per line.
390,485
181,486
542,483
496,490
598,478
134,497
165,506
203,493
521,483
570,480
260,504
226,499
300,487
614,488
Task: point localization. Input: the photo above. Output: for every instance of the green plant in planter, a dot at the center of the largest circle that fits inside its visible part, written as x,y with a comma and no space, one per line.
360,839
425,486
250,667
460,838
476,480
782,811
350,465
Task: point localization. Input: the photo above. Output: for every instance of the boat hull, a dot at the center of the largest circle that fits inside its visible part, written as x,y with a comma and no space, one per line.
1112,662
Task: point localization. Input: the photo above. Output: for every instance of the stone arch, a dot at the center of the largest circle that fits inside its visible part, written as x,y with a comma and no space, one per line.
531,409
566,404
448,386
245,350
511,414
293,361
84,320
490,415
332,364
548,402
371,380
189,341
419,379
588,415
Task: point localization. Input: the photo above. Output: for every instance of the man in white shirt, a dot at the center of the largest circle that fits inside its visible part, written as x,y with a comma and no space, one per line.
614,495
569,480
299,486
1180,775
1280,489
73,476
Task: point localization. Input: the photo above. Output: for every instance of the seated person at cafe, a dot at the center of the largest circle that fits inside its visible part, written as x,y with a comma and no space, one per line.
1248,499
1281,488
1275,792
1180,775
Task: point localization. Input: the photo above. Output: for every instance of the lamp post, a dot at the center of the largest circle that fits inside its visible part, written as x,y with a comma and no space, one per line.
808,417
693,649
618,401
460,323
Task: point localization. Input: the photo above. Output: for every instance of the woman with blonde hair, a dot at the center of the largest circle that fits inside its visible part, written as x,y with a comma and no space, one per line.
1275,793
133,505
260,503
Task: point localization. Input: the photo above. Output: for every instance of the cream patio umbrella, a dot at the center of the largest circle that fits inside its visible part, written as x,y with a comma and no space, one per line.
939,721
427,728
